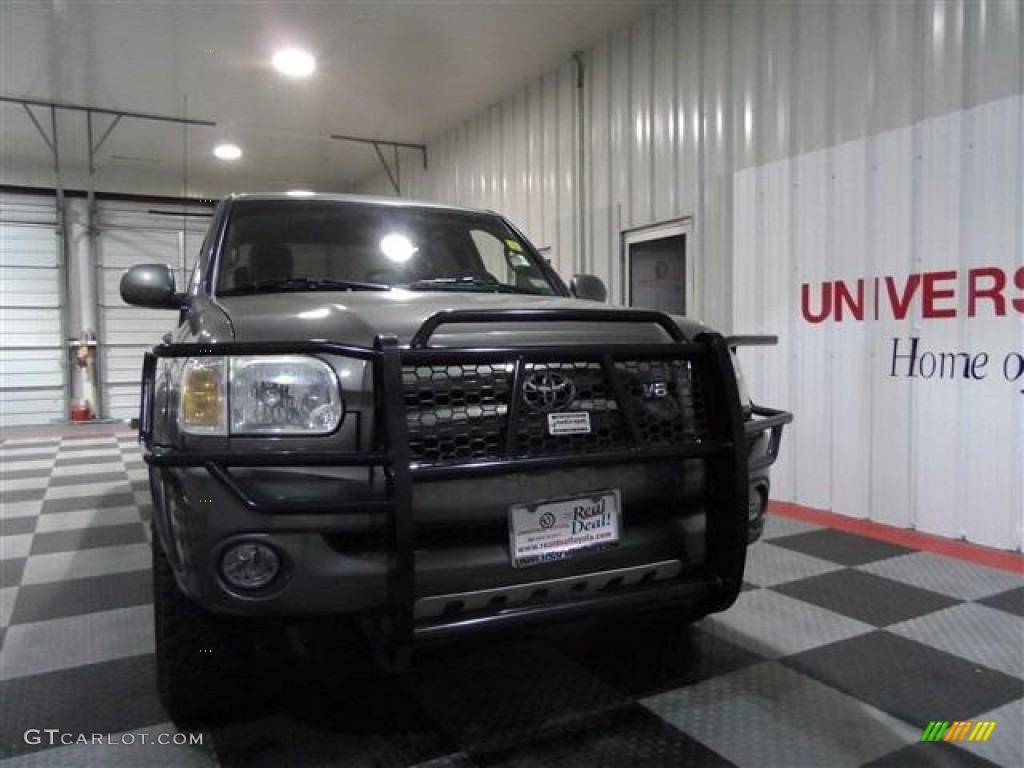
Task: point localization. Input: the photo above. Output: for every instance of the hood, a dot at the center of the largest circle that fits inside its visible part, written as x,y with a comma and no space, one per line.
357,317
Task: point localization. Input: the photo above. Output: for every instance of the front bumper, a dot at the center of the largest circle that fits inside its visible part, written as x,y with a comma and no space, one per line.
694,559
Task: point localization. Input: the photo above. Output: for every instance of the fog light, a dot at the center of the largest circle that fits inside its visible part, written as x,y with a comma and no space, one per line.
755,504
250,565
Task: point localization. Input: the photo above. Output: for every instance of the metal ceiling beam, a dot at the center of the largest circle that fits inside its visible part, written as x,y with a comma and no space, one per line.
105,111
395,177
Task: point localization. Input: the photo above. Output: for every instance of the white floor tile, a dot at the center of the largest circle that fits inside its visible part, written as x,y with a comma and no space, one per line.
785,718
75,470
957,578
20,509
41,569
976,632
7,595
80,490
23,483
775,625
86,518
45,646
15,546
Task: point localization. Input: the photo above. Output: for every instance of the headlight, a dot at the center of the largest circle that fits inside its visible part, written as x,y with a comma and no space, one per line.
286,395
273,395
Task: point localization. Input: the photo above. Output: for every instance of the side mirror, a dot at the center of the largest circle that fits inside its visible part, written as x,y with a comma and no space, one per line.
152,286
589,287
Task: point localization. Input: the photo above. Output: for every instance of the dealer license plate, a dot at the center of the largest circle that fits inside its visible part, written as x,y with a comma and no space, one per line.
560,528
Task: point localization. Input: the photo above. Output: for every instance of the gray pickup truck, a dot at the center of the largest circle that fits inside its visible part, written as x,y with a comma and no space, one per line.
396,412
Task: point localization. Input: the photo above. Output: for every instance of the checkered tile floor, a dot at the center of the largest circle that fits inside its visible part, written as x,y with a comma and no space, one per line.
839,651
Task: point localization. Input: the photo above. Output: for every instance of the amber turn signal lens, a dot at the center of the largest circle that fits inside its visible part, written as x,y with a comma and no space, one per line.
203,405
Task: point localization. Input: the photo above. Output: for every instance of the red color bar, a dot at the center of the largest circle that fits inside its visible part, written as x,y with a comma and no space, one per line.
961,550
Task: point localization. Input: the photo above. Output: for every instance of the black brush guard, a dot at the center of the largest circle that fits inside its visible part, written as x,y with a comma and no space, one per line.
726,468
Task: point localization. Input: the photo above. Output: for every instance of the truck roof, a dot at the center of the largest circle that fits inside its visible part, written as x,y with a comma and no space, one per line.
362,199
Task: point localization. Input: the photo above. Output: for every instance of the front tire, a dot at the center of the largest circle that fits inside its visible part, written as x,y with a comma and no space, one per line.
202,658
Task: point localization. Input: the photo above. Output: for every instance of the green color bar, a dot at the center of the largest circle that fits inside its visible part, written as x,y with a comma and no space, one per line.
935,730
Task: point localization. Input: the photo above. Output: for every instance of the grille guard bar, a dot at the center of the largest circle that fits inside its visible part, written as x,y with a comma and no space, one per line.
726,467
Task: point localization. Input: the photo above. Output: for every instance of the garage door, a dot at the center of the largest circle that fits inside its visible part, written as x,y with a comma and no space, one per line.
131,234
32,355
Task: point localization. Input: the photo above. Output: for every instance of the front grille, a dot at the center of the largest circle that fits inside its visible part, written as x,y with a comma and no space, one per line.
456,413
460,413
592,394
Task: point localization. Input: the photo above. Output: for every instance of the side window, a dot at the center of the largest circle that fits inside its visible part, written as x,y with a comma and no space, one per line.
492,253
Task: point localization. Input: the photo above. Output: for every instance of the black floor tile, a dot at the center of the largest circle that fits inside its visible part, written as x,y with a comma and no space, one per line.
78,461
930,755
629,735
28,494
76,504
41,602
839,547
87,538
11,570
102,477
914,682
645,656
109,697
1011,601
866,597
369,723
494,694
18,526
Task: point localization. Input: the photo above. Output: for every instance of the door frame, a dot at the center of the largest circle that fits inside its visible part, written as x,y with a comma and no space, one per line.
672,228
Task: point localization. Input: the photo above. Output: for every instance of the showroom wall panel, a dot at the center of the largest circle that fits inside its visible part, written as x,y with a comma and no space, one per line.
518,157
128,234
32,353
809,143
927,189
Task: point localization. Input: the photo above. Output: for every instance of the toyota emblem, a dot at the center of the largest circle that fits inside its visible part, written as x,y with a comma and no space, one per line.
547,391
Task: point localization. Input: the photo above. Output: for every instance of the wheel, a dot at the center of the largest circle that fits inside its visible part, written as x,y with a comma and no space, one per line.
201,657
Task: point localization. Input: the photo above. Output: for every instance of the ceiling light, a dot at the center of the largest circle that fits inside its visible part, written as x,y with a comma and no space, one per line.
227,151
294,62
300,193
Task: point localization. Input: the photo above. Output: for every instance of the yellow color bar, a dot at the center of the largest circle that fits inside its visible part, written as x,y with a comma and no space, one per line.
983,730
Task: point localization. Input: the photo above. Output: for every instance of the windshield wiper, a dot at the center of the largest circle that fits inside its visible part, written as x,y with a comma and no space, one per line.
305,284
471,282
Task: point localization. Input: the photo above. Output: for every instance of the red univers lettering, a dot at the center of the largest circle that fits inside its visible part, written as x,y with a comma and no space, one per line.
844,297
900,303
932,294
826,303
993,291
1018,280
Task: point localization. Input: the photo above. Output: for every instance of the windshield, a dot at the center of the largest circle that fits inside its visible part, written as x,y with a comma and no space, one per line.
282,245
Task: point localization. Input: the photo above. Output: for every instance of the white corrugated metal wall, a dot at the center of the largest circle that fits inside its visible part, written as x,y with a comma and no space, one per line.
809,142
32,353
128,234
519,157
